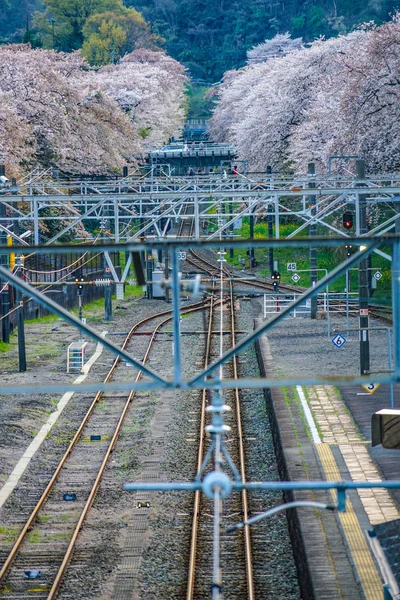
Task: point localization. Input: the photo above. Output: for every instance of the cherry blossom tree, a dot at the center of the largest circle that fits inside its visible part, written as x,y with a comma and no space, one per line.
56,111
337,97
280,45
149,88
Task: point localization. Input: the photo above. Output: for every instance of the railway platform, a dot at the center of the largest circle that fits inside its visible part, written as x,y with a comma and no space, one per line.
322,432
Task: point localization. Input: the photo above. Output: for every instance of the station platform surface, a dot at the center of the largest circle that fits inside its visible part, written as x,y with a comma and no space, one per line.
338,557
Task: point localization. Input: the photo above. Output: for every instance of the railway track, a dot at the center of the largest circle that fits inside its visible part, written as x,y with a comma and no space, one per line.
236,553
206,261
57,518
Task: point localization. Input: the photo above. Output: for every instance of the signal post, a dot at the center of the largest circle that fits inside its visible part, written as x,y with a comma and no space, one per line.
363,284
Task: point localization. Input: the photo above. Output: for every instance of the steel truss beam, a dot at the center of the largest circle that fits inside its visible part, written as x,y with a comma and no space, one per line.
159,198
201,379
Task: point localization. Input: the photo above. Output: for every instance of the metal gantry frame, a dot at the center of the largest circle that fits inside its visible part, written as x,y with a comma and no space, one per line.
370,244
137,207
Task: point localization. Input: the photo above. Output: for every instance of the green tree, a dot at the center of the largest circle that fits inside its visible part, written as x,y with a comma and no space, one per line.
61,24
104,45
110,35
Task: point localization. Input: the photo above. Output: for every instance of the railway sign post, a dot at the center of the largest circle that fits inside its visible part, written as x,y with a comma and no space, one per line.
370,387
338,341
295,277
377,275
291,266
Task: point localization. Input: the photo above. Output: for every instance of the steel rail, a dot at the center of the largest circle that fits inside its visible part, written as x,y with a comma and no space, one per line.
68,554
264,285
242,461
13,553
196,510
190,591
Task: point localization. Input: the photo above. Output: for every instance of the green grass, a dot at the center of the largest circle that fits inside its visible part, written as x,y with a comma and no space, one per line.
46,319
43,518
33,537
4,347
327,258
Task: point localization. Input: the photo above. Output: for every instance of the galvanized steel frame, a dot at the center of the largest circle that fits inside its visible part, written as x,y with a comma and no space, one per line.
201,380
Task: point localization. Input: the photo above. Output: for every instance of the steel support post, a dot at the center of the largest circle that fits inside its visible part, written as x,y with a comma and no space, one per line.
313,251
149,273
176,315
21,326
107,272
166,274
231,250
251,253
36,234
196,217
396,305
5,307
21,333
5,323
270,235
363,287
276,208
116,221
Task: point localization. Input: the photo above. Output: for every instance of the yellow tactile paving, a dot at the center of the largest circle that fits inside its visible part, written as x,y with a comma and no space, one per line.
364,564
337,427
377,503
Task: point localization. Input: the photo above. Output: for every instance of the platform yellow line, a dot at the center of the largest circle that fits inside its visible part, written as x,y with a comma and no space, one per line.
359,549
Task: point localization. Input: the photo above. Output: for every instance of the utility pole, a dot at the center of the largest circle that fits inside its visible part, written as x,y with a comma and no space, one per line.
313,250
363,286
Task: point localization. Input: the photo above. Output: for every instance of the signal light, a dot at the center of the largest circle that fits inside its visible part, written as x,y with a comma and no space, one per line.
80,285
349,250
275,279
347,220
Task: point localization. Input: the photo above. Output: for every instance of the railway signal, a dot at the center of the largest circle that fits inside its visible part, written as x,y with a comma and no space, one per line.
349,250
79,282
276,276
347,220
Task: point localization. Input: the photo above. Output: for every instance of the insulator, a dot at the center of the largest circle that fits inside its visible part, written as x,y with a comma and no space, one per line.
102,282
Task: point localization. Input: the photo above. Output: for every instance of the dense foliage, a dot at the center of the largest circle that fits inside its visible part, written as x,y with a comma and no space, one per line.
337,97
106,30
213,36
56,112
209,37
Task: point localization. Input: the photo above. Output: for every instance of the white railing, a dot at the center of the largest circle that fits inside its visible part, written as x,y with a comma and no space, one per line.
274,303
339,302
